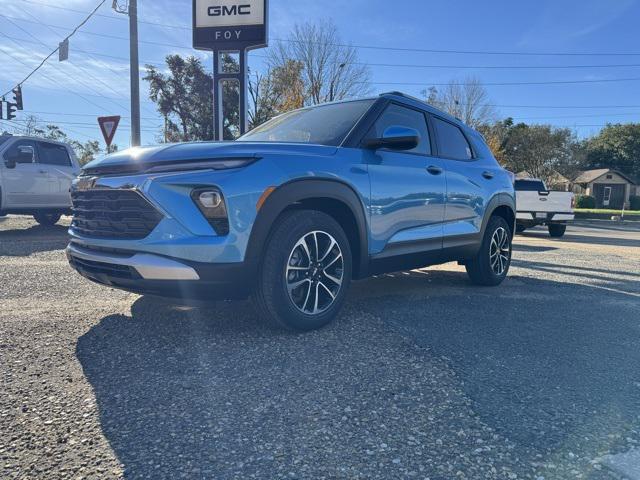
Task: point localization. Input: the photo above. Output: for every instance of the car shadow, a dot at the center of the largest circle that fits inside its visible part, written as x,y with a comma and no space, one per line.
532,248
547,365
588,239
26,241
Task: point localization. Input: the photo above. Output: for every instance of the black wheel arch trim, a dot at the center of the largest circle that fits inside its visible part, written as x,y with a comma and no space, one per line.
298,190
497,201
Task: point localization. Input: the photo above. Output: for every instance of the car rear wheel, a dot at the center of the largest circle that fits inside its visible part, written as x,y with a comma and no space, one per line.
557,230
491,264
47,219
305,272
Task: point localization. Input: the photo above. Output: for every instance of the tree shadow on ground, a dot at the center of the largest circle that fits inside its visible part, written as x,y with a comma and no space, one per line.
24,242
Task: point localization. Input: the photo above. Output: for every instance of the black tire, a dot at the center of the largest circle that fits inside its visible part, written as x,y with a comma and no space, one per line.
520,228
47,219
272,295
557,230
480,269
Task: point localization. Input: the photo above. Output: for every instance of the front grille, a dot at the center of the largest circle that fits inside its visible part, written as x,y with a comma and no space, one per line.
91,268
114,214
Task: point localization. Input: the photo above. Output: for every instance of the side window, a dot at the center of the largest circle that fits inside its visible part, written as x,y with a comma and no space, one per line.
395,115
53,154
451,141
23,151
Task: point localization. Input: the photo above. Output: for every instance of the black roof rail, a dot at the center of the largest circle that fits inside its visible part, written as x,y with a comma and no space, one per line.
401,94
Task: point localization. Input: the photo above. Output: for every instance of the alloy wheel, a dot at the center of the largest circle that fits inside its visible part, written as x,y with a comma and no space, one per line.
500,251
315,272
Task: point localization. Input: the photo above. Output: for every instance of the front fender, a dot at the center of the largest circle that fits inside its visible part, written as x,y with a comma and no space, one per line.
306,189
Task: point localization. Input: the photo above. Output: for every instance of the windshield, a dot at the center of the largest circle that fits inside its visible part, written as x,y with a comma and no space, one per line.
4,138
322,125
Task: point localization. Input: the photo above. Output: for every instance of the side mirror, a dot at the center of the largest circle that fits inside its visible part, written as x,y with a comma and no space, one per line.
25,154
396,138
10,163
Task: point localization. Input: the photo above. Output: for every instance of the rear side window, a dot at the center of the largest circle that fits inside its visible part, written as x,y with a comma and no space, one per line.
52,154
395,115
530,186
451,141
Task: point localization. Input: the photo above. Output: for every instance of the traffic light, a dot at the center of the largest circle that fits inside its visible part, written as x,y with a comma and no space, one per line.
17,97
11,110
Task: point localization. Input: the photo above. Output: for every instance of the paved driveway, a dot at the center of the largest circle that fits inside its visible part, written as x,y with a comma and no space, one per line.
423,376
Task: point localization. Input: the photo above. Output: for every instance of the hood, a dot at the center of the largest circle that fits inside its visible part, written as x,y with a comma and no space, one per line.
139,159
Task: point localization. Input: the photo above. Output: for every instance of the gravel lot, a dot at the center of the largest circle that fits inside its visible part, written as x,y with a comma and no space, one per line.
423,376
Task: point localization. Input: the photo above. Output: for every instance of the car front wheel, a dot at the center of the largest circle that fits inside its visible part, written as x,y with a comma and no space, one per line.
491,264
305,272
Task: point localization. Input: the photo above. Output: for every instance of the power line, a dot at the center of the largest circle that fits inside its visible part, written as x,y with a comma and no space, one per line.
501,84
57,48
89,54
390,65
101,63
50,79
84,72
398,49
557,82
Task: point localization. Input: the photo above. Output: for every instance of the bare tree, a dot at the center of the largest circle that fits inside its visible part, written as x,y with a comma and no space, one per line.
330,69
467,100
280,90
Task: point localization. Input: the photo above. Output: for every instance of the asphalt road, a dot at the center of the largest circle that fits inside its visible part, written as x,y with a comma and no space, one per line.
422,376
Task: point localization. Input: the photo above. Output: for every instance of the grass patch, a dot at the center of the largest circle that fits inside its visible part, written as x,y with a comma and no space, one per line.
607,212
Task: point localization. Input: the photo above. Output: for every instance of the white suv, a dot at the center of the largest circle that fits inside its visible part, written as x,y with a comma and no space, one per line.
35,177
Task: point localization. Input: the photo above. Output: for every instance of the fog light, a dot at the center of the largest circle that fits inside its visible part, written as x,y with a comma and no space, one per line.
210,199
211,203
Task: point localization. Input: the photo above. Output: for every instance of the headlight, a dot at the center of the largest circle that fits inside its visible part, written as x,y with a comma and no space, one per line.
211,203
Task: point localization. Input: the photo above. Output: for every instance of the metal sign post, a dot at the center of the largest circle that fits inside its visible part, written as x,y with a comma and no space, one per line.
229,26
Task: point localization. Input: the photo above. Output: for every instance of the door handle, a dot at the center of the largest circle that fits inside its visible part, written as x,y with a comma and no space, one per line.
433,170
488,175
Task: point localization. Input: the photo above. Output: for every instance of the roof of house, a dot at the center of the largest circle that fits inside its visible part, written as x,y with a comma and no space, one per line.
589,176
556,177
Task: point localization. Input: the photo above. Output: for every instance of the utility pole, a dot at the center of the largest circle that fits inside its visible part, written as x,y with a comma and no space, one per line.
135,73
130,8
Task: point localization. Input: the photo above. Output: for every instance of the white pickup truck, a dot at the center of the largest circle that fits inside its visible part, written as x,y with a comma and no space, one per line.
35,177
536,205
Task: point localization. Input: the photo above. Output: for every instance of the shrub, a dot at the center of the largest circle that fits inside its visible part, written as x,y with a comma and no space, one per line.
585,201
634,200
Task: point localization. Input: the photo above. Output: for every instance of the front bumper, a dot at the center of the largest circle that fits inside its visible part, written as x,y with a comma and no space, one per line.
145,273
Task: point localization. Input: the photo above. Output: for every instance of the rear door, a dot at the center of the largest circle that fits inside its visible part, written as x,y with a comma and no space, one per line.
26,184
470,182
56,161
407,187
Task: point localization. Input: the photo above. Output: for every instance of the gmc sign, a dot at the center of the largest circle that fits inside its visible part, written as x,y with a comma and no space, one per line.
229,24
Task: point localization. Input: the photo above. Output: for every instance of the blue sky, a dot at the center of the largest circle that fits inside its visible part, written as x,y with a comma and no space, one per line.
95,80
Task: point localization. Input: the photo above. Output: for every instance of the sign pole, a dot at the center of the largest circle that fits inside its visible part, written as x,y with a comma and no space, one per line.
217,133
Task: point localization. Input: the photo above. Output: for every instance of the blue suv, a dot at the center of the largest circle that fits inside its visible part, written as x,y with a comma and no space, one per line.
293,211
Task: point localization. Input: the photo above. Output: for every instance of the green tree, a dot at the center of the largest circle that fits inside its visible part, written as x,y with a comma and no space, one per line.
540,150
617,147
184,97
